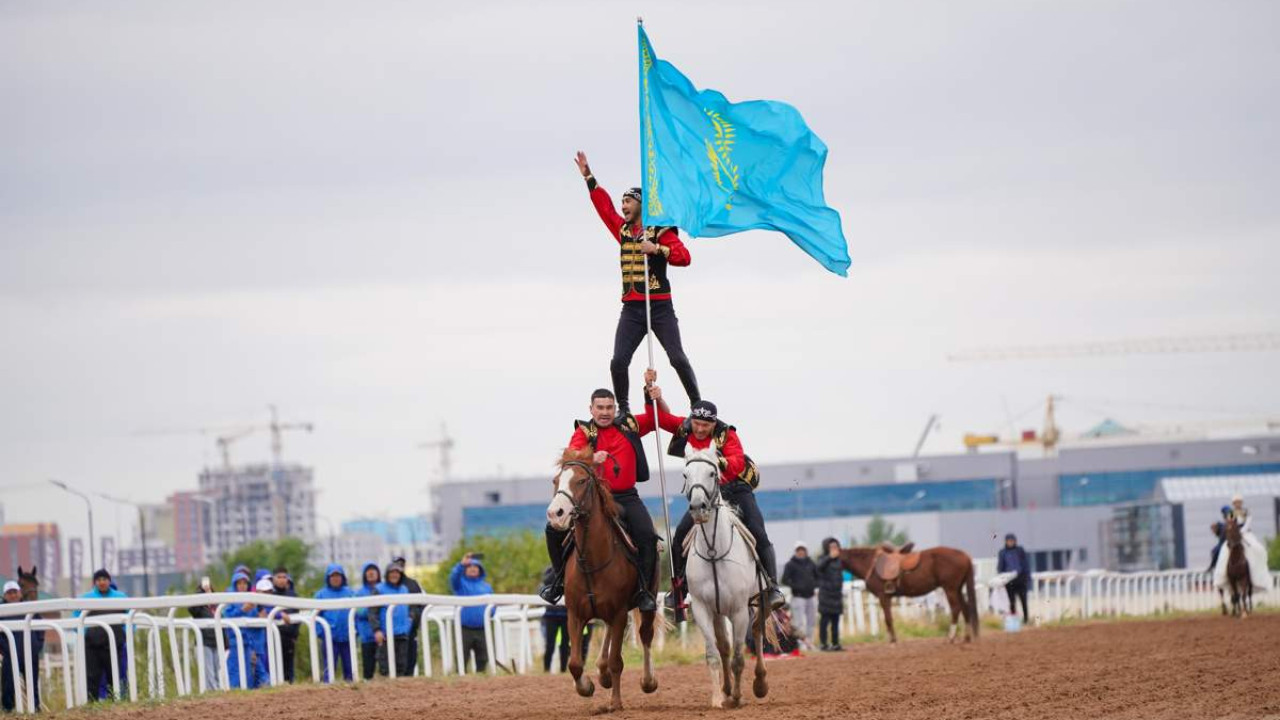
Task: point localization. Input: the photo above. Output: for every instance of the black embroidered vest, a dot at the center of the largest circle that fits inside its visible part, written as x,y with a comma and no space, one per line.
630,430
632,261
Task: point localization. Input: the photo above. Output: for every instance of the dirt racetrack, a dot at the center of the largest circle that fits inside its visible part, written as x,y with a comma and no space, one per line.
1187,668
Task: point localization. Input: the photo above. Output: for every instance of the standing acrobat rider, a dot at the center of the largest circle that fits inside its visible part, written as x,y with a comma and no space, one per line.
663,246
738,478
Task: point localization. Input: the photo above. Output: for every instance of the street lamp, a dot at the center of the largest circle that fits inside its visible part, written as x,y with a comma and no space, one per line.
142,532
93,563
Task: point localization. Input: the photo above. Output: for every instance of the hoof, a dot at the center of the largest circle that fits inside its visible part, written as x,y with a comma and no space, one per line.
729,703
760,687
587,689
606,681
649,686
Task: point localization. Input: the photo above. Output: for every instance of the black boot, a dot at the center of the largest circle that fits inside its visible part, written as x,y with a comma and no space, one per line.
676,598
644,598
554,590
774,599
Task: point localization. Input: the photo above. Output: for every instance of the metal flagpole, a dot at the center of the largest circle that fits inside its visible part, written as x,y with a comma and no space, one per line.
657,427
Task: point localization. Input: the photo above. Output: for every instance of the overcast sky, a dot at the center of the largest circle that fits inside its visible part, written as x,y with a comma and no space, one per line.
368,215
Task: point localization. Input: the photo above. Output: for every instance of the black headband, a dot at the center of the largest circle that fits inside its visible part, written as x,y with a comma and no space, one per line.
633,193
703,410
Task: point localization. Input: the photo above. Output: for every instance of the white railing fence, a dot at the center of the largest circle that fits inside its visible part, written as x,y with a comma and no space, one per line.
509,633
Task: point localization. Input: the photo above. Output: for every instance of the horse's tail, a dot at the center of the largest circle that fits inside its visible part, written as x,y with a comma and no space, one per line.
769,633
971,601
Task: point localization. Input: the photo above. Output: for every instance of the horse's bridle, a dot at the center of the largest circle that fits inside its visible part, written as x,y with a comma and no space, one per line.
714,501
713,496
582,511
579,510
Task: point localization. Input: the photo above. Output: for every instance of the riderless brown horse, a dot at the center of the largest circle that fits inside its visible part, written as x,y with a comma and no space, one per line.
1238,577
891,572
600,579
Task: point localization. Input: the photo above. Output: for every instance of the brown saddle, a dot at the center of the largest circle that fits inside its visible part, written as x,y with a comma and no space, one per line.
892,563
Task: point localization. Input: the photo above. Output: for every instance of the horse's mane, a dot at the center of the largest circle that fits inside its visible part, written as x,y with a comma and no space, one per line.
584,455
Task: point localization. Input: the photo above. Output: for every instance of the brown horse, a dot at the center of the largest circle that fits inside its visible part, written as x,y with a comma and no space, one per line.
1238,577
600,579
916,574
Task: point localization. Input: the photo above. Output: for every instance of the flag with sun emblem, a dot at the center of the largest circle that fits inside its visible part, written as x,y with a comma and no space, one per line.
713,168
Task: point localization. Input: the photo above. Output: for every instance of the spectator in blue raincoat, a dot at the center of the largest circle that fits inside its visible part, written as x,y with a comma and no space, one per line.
392,621
370,579
97,646
468,578
335,588
255,641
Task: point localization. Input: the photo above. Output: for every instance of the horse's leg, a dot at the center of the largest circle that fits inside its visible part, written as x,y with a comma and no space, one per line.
712,635
957,605
737,632
1222,598
648,683
886,603
583,684
616,634
602,664
761,686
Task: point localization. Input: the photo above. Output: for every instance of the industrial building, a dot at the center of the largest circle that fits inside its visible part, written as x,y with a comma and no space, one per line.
1110,499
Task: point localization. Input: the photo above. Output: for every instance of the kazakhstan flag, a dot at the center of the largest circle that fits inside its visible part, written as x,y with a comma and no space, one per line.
714,168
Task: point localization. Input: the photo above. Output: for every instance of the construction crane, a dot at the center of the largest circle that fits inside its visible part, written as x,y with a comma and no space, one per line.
277,429
224,444
1047,438
1255,342
445,446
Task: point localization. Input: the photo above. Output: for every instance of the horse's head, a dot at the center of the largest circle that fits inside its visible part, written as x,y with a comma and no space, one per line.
1234,536
701,482
572,488
29,582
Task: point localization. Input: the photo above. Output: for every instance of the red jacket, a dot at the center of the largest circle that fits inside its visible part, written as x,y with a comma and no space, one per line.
677,255
612,441
735,458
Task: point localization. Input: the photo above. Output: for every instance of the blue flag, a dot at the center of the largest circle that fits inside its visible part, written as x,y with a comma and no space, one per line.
713,167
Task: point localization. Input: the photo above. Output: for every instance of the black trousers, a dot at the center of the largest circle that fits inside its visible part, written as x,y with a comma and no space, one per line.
8,692
553,625
402,657
368,659
288,645
411,650
1018,589
629,335
829,623
639,524
739,495
97,663
473,643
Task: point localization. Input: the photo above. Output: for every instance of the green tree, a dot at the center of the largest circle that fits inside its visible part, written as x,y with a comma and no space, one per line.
290,552
513,563
880,530
1273,553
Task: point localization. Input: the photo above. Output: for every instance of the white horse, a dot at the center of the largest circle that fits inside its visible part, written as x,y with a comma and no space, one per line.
722,578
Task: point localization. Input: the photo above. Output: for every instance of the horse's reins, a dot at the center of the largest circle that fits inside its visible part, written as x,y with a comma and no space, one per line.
583,511
714,499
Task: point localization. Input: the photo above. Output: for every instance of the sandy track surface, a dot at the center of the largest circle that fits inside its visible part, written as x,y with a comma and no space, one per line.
1186,668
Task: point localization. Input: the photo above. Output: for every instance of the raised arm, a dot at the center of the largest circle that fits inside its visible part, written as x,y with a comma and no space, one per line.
599,198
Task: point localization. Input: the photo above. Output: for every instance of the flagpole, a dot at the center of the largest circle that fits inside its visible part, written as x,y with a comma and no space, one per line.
657,425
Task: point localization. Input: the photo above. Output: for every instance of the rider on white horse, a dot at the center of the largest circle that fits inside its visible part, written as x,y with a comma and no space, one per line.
1254,551
738,477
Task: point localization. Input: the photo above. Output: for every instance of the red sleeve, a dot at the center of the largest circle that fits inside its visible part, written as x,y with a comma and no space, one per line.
610,216
733,455
645,420
670,422
679,256
579,440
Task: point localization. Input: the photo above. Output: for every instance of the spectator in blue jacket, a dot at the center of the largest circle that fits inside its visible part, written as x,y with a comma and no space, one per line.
1014,559
335,588
254,639
468,578
370,579
395,621
97,646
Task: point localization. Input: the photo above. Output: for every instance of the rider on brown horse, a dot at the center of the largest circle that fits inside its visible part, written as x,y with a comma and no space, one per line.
738,478
621,460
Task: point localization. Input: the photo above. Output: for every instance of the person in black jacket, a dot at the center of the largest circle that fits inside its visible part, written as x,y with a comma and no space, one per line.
282,584
208,637
801,575
1014,559
415,616
830,595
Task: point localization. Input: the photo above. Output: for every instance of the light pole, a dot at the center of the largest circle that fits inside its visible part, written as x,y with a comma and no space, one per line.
93,562
142,532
